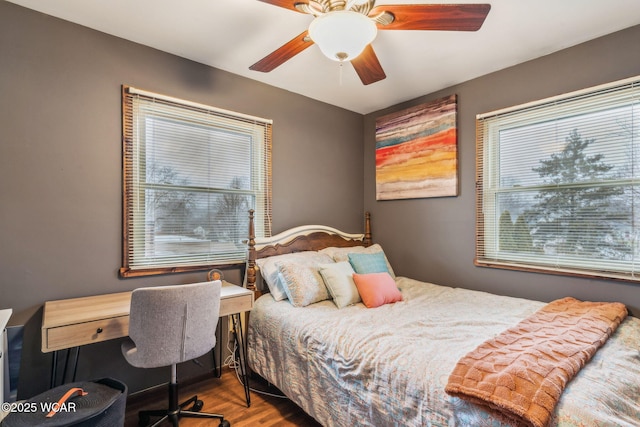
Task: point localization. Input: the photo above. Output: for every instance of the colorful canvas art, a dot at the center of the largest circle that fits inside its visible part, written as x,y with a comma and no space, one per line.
417,152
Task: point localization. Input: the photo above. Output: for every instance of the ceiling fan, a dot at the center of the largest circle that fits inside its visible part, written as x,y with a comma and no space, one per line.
344,29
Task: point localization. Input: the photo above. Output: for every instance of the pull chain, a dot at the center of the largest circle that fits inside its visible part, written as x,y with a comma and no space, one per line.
341,56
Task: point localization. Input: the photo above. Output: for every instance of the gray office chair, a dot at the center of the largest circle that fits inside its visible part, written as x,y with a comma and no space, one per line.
169,325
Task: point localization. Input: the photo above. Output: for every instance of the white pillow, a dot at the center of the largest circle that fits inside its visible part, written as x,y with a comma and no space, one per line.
342,254
338,277
303,284
270,273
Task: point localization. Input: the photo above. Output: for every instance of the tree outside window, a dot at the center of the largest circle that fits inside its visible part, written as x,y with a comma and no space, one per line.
557,183
191,175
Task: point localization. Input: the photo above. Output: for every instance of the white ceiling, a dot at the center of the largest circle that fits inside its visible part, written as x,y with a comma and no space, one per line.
233,34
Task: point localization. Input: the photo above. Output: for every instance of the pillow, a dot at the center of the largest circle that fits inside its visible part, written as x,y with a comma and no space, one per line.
368,263
271,275
342,254
338,277
302,283
377,289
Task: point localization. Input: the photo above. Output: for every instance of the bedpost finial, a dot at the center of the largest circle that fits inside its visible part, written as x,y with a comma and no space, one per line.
368,241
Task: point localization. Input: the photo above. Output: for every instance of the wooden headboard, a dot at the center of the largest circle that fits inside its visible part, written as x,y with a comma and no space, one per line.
298,239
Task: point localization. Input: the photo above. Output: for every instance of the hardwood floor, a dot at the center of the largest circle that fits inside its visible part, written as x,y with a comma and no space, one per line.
225,395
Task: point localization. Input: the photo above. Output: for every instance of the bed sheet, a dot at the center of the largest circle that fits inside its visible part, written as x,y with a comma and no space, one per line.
389,365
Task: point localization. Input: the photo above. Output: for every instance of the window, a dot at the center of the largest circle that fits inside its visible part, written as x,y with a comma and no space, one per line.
558,181
191,174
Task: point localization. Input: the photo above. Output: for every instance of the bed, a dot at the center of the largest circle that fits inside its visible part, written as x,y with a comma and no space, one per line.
346,364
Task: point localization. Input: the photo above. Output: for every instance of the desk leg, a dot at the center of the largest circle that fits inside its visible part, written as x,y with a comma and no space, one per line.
54,367
237,327
217,368
66,365
75,364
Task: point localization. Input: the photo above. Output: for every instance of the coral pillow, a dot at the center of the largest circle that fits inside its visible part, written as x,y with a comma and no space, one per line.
377,289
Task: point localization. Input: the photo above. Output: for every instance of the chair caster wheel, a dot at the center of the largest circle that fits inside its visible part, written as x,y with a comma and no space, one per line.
225,423
197,406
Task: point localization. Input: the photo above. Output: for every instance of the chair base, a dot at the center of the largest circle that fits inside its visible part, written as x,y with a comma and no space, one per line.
177,411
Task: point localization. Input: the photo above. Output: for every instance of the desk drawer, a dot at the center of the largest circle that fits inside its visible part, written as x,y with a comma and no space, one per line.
86,333
236,304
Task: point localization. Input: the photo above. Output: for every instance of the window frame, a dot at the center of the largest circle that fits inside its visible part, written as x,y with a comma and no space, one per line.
132,197
488,125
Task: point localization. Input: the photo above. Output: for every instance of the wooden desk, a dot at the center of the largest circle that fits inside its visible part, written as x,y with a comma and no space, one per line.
75,322
80,321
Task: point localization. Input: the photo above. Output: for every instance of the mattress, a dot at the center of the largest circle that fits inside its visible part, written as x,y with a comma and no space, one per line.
389,365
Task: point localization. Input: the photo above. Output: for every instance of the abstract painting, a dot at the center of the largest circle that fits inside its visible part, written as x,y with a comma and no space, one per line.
417,152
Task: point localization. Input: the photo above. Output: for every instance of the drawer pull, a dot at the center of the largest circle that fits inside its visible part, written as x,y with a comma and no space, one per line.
99,330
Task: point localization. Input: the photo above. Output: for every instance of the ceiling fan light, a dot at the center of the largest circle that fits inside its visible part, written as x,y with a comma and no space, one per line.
343,34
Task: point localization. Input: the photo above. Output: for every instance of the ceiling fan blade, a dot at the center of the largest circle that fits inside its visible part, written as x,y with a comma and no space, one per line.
283,53
368,67
287,4
447,17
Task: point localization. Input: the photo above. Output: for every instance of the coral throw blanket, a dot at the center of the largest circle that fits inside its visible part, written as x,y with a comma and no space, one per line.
522,372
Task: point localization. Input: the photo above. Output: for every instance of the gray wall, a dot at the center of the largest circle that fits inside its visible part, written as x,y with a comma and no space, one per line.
60,171
61,168
434,239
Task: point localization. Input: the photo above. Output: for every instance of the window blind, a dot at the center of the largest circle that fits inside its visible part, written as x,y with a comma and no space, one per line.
190,173
557,184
